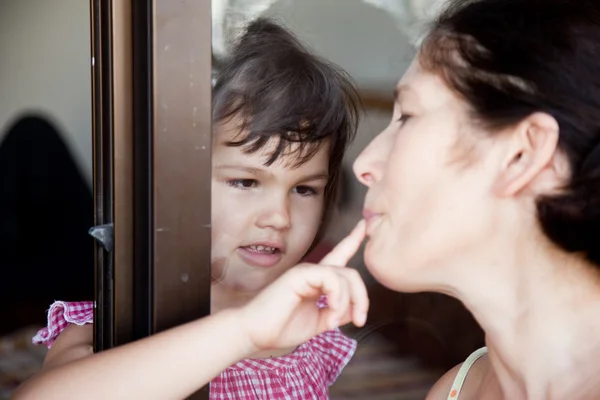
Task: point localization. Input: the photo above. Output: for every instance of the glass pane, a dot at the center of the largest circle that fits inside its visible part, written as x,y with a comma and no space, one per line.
410,339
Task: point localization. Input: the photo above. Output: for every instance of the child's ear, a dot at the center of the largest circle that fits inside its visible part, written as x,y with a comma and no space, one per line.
531,162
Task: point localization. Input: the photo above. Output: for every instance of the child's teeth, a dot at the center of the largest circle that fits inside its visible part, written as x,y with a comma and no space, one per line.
262,248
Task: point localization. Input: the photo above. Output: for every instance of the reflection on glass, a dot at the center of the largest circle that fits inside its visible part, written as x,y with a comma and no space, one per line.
282,120
266,215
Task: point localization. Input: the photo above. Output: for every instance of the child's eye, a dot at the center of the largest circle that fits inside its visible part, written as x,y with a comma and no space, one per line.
305,191
243,184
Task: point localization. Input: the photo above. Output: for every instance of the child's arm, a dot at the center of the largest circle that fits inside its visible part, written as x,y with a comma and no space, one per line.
74,343
169,365
175,363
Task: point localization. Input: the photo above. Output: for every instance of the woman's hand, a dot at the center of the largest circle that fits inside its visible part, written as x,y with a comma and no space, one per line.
286,314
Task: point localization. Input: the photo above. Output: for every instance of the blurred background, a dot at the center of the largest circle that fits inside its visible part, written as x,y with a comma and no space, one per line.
46,205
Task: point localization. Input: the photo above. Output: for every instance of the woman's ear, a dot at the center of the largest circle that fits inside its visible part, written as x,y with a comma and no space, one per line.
531,160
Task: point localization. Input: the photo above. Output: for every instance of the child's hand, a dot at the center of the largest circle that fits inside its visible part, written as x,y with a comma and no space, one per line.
285,314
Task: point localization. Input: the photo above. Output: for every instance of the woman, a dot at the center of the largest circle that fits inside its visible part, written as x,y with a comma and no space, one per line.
486,187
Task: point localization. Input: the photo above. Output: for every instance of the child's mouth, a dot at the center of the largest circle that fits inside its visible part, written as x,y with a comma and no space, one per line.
261,249
260,255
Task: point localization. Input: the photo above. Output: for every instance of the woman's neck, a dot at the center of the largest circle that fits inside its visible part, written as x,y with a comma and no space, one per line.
541,314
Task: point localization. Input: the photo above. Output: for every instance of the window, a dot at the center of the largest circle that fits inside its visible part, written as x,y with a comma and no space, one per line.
152,124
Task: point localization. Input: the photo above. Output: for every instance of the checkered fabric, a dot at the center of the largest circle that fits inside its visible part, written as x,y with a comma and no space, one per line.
61,314
303,374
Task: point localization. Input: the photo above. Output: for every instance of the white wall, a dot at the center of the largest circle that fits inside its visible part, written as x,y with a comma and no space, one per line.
45,67
360,38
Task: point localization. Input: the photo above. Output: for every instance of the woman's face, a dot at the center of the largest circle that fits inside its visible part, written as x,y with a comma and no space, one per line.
429,198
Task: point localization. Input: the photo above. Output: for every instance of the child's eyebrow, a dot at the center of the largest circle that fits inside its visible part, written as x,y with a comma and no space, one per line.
259,171
262,172
316,177
242,168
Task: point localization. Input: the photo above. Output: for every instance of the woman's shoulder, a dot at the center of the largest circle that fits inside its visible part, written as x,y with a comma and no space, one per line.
61,314
441,389
471,372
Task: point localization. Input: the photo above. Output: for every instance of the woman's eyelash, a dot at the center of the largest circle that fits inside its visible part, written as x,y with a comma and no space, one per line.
403,118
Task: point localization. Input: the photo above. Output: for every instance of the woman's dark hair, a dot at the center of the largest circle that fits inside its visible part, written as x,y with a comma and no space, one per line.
276,88
511,58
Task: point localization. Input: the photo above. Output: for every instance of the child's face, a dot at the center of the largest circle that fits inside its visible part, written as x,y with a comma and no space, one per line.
264,219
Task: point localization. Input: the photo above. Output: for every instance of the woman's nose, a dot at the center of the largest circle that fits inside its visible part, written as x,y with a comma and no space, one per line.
369,165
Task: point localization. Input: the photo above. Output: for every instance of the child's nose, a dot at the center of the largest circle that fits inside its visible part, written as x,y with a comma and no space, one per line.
276,216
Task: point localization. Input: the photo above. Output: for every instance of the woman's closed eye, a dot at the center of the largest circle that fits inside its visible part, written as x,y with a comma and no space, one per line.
403,118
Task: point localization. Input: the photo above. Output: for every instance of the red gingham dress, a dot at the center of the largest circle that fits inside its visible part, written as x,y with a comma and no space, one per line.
305,373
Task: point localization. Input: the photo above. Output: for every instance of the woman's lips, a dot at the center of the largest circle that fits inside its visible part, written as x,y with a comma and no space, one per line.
368,214
371,218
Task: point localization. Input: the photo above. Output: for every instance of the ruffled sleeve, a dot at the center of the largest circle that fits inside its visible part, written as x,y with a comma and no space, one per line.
336,352
60,315
336,349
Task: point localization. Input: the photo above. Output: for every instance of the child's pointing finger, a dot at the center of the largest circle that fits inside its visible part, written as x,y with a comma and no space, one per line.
345,250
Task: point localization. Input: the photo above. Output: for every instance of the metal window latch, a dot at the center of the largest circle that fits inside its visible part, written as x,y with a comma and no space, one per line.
104,234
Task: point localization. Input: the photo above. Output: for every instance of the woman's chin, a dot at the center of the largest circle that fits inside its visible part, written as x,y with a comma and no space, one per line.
390,269
378,265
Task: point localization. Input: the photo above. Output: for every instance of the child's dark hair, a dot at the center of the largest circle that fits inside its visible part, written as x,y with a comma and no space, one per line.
273,87
510,58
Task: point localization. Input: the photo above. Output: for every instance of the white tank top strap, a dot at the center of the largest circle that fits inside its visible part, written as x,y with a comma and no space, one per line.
463,371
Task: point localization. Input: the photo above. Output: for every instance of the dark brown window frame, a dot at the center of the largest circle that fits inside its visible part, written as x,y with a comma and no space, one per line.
151,84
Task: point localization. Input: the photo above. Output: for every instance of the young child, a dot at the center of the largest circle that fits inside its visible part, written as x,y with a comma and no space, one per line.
282,120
